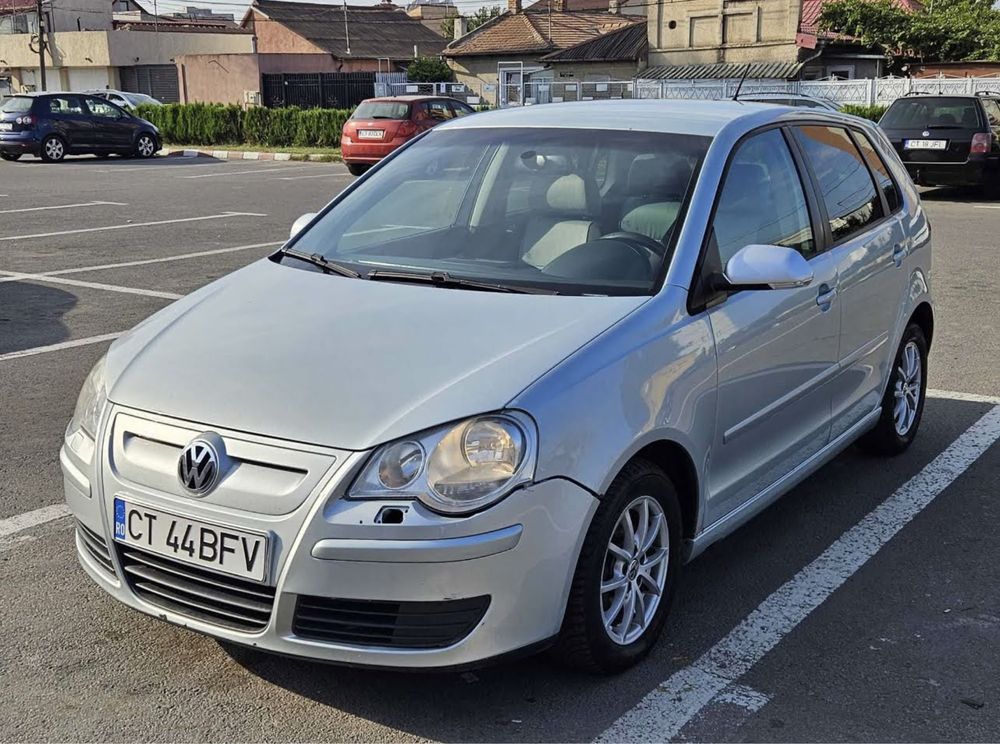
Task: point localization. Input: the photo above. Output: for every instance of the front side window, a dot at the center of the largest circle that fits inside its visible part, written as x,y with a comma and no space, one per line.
517,207
852,203
103,109
762,201
881,171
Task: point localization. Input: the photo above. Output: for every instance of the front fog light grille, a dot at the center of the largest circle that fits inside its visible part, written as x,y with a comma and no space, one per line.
362,622
95,546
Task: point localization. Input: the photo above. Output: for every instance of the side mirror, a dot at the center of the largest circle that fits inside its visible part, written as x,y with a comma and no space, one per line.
767,267
300,224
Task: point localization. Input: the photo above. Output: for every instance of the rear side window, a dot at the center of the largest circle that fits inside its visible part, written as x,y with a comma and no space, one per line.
440,110
65,105
381,110
762,200
992,109
17,105
881,171
933,113
847,190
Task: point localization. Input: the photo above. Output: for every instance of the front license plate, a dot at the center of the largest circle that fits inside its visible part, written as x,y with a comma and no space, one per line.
369,134
212,546
925,144
6,126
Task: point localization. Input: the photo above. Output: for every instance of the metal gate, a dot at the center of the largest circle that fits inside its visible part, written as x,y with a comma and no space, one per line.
158,81
318,89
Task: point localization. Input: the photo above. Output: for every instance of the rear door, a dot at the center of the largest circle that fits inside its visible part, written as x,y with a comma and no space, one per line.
861,208
70,120
113,128
933,129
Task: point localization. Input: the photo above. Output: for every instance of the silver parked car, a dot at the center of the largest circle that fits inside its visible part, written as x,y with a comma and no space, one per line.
500,391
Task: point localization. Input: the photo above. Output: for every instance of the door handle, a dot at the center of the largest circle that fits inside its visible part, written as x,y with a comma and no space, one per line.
898,254
826,296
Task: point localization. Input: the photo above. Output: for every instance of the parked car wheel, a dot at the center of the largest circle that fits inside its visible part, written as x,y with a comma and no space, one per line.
356,169
53,150
903,403
10,156
626,575
145,146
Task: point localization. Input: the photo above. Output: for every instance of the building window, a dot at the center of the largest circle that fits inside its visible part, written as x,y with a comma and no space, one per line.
19,23
840,72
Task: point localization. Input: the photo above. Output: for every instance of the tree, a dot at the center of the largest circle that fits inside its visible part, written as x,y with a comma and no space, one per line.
472,22
428,70
942,30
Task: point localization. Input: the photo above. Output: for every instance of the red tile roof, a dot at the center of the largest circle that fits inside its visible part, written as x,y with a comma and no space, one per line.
534,31
812,9
12,5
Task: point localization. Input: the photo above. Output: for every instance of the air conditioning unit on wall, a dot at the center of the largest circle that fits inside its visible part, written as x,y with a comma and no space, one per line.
251,97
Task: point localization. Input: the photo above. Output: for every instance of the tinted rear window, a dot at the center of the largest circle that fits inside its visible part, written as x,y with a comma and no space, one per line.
17,105
381,110
918,113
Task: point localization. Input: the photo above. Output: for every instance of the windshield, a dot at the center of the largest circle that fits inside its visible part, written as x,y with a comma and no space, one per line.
381,110
17,105
941,113
137,99
574,211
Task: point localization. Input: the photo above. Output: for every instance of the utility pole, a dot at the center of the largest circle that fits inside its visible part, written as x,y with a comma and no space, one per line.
41,43
347,31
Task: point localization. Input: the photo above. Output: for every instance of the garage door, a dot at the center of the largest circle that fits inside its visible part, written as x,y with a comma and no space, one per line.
158,81
86,78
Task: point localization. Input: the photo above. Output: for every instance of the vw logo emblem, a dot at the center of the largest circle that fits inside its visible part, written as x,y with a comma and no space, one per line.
200,464
925,134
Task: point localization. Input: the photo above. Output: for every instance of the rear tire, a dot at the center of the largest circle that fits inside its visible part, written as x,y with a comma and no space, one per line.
145,146
356,169
616,572
10,157
53,149
903,402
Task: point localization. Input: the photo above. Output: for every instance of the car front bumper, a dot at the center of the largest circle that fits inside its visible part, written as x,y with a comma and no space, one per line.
503,575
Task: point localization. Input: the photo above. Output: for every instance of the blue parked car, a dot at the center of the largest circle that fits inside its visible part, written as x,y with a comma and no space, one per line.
54,125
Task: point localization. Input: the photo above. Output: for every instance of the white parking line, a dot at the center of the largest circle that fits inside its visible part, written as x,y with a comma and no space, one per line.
130,225
662,714
65,206
244,172
318,175
993,400
120,168
20,522
60,346
17,276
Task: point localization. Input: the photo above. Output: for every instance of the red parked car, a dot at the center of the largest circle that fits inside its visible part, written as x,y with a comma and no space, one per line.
380,125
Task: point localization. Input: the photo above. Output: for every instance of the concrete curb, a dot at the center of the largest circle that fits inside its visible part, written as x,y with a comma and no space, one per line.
244,155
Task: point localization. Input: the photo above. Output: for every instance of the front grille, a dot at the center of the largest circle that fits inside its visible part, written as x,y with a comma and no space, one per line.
96,547
363,622
202,595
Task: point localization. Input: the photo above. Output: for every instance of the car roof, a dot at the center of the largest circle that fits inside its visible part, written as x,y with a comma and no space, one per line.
928,96
704,118
408,99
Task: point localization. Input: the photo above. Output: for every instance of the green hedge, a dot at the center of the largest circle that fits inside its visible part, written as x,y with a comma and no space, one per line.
873,111
215,124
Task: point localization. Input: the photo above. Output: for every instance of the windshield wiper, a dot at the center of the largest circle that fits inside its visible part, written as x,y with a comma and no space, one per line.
328,266
443,279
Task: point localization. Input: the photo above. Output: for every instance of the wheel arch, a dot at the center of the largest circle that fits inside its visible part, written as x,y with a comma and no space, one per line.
923,316
674,459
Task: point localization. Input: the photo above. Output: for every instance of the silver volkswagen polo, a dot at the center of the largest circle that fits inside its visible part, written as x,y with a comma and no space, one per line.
499,392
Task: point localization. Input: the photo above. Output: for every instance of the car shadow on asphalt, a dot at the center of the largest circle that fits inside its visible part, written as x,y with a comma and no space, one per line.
532,699
32,315
958,194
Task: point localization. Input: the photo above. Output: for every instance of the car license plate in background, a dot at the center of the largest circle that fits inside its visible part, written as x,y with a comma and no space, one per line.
224,549
369,134
925,144
6,126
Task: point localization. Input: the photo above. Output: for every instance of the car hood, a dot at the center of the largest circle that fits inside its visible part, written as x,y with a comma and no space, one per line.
308,357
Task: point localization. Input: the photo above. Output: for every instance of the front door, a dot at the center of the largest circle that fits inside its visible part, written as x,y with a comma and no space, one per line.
869,245
112,127
776,349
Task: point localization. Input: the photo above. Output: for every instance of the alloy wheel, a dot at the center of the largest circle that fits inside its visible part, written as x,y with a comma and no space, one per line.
146,147
54,149
907,389
635,570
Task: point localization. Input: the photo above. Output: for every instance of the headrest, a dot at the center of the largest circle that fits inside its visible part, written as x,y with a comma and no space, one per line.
658,175
570,194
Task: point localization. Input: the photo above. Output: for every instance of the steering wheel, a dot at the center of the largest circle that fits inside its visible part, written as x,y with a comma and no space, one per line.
644,243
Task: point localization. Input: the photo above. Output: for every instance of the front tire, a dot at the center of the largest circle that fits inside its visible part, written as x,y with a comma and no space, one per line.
903,402
627,574
145,146
53,149
10,157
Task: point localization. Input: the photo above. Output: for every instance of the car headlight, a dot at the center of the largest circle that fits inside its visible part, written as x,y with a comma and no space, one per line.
90,404
454,469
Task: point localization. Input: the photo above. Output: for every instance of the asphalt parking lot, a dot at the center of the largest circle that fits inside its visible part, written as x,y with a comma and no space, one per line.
862,606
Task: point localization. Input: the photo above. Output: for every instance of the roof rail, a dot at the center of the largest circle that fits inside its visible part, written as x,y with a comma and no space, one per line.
918,93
